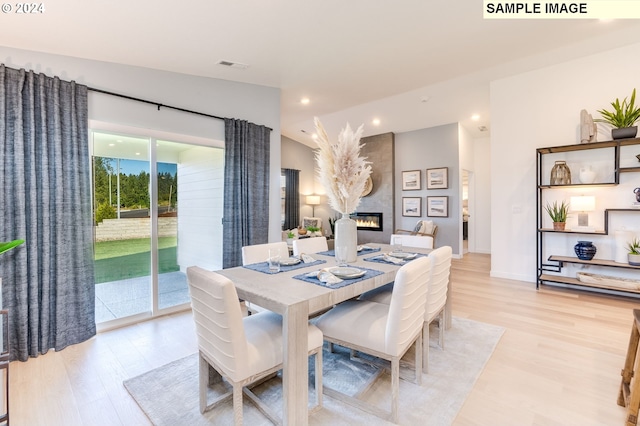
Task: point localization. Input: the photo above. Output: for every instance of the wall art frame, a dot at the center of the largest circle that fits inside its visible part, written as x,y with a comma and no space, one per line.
438,178
438,206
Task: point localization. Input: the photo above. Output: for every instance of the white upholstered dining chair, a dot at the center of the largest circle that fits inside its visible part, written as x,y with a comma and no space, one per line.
436,297
418,241
241,350
260,253
310,245
384,331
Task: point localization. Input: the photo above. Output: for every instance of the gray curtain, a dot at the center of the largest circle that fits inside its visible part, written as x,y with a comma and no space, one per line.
246,189
47,283
291,198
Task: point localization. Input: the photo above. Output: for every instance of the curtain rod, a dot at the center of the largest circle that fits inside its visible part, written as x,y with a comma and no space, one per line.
157,104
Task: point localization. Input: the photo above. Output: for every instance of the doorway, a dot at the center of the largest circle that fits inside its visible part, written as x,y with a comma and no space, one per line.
155,203
468,201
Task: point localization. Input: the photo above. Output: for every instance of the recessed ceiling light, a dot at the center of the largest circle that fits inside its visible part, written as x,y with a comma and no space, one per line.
375,122
304,101
112,144
314,136
475,117
137,153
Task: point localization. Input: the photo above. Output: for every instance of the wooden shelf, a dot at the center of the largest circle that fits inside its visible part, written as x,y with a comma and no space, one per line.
628,169
569,231
575,281
578,185
595,262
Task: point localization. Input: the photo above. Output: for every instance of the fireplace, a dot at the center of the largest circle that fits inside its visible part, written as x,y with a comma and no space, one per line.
368,221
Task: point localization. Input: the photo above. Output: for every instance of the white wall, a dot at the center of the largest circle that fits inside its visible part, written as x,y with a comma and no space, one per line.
257,104
201,190
482,195
425,149
537,109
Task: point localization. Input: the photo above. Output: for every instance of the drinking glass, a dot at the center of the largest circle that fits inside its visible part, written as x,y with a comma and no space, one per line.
397,244
341,255
274,261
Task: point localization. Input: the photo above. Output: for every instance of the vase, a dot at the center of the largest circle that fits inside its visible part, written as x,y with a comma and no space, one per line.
587,175
560,174
634,259
624,132
347,236
585,250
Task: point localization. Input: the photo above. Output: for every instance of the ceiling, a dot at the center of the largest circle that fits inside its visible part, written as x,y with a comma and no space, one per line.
412,64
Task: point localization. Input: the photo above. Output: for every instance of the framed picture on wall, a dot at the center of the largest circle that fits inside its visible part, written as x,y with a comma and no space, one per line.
438,206
412,206
411,180
438,178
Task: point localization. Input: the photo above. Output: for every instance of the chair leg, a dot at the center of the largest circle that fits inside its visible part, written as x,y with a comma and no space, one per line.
237,404
425,347
395,388
203,381
319,378
418,368
441,328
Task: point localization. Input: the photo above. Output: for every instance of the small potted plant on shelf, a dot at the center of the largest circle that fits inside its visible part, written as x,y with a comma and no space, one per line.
314,231
634,252
290,237
558,213
622,118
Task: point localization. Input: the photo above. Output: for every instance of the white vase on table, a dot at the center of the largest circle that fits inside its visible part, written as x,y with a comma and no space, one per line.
346,231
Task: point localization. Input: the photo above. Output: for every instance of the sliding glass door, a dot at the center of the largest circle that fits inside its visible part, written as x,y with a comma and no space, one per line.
141,188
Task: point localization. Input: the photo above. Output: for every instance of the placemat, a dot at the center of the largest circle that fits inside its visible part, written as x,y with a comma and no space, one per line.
264,266
360,253
369,274
380,259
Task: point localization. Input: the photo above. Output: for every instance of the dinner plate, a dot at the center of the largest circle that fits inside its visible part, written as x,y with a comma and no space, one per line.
289,261
402,255
346,272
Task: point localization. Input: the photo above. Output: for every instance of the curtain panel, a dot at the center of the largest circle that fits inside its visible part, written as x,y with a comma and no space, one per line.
45,194
291,199
246,188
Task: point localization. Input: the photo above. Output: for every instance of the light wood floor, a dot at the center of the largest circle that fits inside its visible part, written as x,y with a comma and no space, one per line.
558,362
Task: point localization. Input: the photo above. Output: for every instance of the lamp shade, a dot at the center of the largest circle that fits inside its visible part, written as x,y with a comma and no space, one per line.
313,200
583,203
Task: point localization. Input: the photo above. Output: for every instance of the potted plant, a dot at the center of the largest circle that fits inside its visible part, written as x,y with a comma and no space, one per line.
290,237
634,252
314,231
622,118
558,213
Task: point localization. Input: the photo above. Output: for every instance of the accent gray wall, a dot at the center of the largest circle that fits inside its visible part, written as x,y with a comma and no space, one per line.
379,151
423,149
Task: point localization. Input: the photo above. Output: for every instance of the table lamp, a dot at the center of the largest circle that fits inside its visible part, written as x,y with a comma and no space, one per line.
313,201
583,204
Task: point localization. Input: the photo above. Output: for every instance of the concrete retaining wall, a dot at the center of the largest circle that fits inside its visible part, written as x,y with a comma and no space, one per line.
126,229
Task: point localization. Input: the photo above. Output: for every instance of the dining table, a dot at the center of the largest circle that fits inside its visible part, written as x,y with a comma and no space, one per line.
293,295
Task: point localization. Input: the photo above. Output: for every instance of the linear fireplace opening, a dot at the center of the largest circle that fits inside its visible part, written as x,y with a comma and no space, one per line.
368,221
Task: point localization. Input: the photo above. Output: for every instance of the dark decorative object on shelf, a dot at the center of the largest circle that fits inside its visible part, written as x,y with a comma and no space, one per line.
560,174
638,157
585,250
637,192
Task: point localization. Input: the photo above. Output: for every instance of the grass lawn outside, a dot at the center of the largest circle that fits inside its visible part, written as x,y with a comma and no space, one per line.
123,259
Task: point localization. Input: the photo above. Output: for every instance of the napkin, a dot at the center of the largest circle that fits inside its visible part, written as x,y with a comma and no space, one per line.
325,276
364,248
390,259
306,258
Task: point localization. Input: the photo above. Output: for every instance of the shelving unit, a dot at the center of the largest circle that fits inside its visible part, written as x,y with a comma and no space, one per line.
553,264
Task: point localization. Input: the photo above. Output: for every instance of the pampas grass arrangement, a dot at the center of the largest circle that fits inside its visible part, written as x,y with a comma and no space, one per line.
341,170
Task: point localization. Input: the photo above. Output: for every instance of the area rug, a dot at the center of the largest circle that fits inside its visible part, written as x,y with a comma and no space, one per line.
169,394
